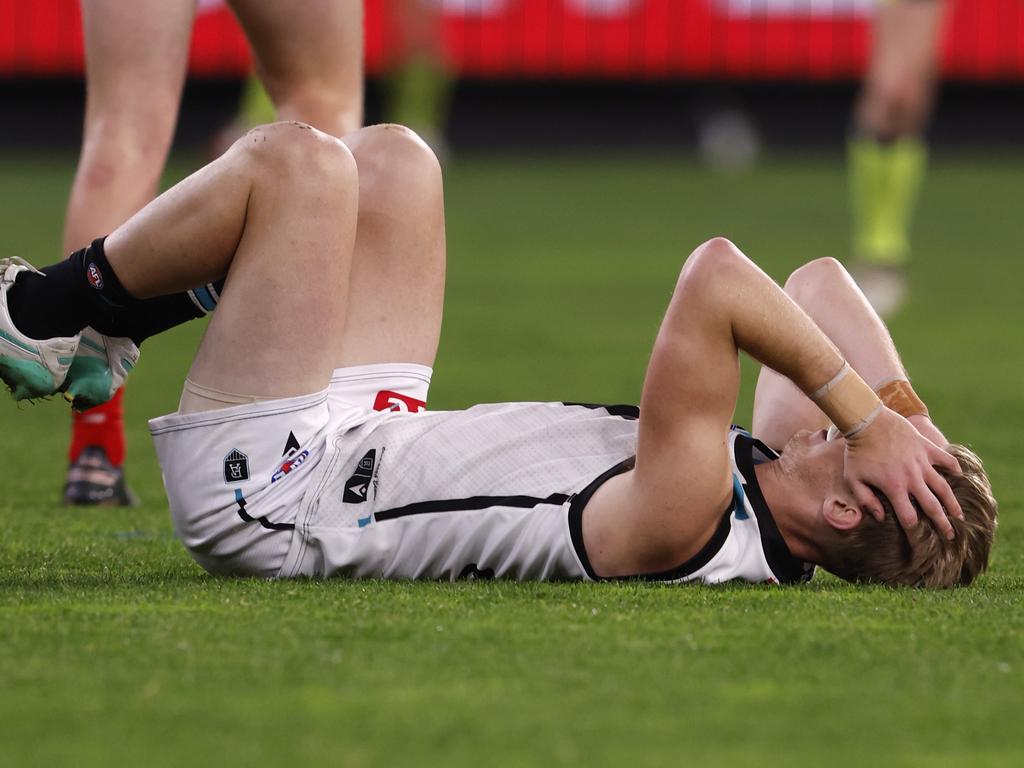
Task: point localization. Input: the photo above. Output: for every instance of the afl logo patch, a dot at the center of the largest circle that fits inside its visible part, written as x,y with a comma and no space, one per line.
95,276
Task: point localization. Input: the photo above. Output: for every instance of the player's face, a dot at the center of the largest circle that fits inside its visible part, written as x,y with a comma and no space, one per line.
815,460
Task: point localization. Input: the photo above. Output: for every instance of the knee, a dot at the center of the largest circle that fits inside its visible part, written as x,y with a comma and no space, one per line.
709,274
897,106
292,152
808,281
123,143
710,264
395,167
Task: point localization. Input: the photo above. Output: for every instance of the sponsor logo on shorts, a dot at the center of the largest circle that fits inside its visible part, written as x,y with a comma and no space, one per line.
94,276
396,401
291,464
236,467
357,487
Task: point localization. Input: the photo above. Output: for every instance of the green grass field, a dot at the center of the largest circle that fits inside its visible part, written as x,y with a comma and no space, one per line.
115,649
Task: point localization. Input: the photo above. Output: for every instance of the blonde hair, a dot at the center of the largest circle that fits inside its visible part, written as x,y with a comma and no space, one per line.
883,552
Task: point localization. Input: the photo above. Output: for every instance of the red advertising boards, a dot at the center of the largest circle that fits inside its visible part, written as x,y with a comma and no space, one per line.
619,39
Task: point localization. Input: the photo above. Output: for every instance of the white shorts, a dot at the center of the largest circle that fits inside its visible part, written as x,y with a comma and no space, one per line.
236,477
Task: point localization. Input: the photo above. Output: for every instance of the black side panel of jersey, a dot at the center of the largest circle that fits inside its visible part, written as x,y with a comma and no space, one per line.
788,568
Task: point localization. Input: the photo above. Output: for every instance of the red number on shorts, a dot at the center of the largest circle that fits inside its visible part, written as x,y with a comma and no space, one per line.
395,401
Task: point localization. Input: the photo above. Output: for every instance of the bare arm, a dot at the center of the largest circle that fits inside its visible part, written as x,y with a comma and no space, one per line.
827,293
724,303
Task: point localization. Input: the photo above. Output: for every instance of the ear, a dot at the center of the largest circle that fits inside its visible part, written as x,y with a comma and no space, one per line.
840,513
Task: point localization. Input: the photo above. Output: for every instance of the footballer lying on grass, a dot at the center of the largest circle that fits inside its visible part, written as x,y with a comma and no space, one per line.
301,447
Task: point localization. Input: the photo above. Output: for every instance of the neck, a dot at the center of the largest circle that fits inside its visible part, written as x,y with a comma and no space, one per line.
794,511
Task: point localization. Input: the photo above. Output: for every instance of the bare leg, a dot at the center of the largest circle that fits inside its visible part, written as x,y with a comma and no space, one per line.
887,156
277,215
135,68
136,55
900,84
309,56
398,271
420,88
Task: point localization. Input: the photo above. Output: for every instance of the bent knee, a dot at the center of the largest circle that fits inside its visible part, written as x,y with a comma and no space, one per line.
294,150
393,151
710,262
809,279
394,162
898,106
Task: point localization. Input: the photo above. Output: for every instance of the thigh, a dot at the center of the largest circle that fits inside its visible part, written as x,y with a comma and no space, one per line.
277,215
136,55
136,58
309,55
906,40
396,298
284,301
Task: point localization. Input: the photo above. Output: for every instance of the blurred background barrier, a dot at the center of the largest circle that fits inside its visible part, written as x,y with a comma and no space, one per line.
603,39
572,72
702,74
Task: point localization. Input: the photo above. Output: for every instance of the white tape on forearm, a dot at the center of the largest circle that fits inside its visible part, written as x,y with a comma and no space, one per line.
848,401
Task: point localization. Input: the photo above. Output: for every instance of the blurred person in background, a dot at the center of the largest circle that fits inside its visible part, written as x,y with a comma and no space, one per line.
420,86
308,55
887,154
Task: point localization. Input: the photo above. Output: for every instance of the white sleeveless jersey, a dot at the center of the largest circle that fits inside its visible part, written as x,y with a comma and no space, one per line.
500,491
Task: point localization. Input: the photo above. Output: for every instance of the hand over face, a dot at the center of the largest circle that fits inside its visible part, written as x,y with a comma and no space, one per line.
892,456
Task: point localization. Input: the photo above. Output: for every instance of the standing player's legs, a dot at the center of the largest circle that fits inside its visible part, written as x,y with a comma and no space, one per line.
420,86
887,156
309,56
135,68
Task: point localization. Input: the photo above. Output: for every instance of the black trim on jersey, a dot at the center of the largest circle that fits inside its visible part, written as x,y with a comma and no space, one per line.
465,505
787,568
702,558
623,411
695,563
579,501
261,520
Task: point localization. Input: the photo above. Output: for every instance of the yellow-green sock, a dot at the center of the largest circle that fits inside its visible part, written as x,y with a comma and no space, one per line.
256,108
420,93
885,179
